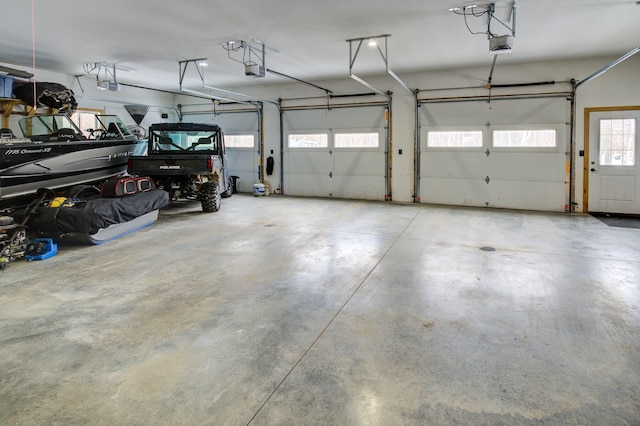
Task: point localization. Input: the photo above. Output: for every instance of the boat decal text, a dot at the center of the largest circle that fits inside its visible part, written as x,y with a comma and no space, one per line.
27,151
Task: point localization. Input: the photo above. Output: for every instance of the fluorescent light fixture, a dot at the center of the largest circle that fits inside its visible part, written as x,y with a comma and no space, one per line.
203,64
372,43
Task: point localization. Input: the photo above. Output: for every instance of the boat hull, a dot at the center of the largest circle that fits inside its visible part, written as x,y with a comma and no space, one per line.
25,167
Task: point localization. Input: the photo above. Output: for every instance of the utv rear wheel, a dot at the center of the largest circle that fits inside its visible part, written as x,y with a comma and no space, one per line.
210,197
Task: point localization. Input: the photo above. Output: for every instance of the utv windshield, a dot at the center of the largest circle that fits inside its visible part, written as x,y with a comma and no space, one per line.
184,141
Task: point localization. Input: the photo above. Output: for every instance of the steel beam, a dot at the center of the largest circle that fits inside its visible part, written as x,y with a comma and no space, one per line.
384,54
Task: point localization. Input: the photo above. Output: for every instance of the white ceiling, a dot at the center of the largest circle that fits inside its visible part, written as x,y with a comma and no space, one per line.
153,36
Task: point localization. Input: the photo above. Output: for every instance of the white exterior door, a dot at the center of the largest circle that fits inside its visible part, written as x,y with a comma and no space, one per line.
613,168
336,153
507,154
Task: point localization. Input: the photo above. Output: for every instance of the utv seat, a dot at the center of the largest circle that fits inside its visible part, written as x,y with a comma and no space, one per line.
165,143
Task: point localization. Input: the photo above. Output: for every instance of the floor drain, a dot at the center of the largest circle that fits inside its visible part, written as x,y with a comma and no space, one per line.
487,249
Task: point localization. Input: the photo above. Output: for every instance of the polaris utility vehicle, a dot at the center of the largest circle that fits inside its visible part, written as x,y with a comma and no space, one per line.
188,161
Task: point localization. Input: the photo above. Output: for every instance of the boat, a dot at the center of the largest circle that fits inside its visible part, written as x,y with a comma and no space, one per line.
53,153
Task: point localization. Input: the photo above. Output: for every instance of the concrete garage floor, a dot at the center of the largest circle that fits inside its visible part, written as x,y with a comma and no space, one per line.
293,311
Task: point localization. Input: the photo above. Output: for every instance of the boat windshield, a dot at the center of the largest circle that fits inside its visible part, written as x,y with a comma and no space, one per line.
47,127
113,128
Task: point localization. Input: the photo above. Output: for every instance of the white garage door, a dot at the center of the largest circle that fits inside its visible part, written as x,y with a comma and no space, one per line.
507,154
338,153
242,139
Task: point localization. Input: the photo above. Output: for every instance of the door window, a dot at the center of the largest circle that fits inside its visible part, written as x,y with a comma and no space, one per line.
617,142
239,141
524,138
455,139
309,141
356,140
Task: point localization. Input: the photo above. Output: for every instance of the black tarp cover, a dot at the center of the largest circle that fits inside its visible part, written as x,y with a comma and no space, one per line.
47,94
97,213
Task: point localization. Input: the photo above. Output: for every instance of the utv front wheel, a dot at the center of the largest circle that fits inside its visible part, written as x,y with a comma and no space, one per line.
210,197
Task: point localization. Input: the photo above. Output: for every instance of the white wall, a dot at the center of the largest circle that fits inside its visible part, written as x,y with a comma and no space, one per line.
618,87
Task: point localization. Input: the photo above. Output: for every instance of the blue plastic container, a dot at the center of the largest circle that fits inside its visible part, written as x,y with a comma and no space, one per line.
44,248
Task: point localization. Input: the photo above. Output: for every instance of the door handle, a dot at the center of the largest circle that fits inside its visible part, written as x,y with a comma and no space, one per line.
594,170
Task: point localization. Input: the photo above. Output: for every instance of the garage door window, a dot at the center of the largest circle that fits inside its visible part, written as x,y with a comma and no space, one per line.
356,140
239,141
309,141
524,138
454,139
618,142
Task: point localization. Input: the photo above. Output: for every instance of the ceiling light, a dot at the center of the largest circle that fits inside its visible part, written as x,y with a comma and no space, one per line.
203,64
460,8
372,43
232,45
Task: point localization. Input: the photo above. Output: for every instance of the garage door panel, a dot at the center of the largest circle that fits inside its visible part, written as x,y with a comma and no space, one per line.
307,175
452,114
308,119
307,185
356,175
359,187
530,111
547,196
337,118
358,163
528,167
465,192
316,163
242,163
455,165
